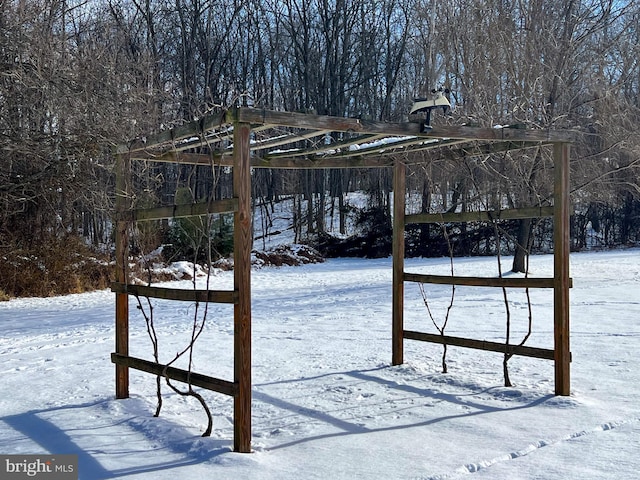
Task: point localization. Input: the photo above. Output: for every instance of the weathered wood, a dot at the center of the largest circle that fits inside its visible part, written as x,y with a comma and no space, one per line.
242,243
483,216
368,155
341,148
426,144
212,138
395,145
123,200
203,381
364,158
398,247
339,124
505,282
287,139
561,248
186,295
180,211
323,122
543,353
475,149
322,162
186,158
191,129
284,162
199,129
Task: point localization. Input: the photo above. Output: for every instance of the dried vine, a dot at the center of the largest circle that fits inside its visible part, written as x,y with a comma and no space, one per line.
197,328
507,355
200,315
441,328
151,331
196,331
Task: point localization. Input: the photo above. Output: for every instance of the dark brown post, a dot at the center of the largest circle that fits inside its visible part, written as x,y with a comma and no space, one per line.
399,185
123,199
242,243
561,249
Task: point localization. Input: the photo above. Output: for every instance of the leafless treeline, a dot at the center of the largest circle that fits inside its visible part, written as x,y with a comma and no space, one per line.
78,76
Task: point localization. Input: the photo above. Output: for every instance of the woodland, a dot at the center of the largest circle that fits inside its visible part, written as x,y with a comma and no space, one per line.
79,77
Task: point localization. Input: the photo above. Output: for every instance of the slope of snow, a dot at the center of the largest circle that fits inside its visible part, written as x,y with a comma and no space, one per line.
326,402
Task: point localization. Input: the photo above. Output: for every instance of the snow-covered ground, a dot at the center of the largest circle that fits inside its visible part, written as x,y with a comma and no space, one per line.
326,402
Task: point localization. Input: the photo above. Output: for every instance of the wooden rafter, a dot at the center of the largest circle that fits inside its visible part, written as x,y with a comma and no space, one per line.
214,133
287,139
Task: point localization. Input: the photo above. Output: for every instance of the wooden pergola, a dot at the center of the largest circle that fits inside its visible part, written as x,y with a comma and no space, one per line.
246,138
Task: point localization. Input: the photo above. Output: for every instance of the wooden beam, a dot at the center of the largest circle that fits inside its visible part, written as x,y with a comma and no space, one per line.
191,129
242,243
323,122
561,248
288,159
185,158
203,381
180,211
268,118
398,247
123,202
505,282
473,149
543,353
321,162
430,144
366,156
339,124
363,158
287,139
341,148
186,295
212,138
285,162
398,145
484,216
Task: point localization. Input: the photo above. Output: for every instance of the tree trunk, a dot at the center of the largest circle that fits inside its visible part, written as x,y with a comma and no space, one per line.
523,246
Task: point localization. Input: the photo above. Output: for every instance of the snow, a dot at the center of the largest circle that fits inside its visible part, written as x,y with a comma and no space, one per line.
326,402
382,142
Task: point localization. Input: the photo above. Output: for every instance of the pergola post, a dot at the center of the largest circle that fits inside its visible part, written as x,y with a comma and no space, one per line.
561,249
242,243
123,200
399,186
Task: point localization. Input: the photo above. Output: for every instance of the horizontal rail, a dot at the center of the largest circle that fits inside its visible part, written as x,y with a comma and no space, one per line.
543,353
180,211
485,216
287,162
505,282
187,295
203,381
